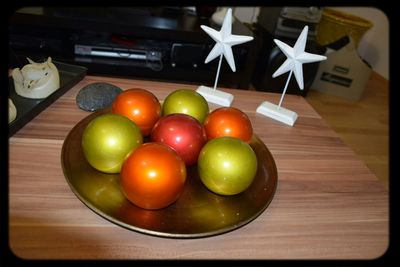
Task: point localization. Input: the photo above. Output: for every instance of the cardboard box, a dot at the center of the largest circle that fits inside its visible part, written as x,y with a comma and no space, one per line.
343,73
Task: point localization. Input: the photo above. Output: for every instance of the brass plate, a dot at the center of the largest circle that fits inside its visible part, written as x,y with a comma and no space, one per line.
197,213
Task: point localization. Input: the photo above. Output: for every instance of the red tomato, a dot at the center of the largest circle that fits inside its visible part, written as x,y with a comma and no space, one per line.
228,121
153,176
140,106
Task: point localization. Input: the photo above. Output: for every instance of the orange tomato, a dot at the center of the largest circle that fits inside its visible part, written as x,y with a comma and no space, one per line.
153,176
140,106
228,121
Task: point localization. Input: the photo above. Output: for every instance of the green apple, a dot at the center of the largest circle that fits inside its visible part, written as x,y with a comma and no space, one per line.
227,165
187,102
108,140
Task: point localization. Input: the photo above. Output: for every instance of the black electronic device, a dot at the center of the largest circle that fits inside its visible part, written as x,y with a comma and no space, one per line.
161,43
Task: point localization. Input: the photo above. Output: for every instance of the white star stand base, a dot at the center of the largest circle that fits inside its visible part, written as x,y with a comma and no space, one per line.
215,96
277,113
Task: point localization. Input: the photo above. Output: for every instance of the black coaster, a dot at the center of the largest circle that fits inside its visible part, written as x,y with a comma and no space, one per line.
97,96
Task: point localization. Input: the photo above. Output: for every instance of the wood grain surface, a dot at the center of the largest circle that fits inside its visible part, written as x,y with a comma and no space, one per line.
328,204
363,125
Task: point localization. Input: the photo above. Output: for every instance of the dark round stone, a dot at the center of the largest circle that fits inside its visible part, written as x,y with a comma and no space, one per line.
97,96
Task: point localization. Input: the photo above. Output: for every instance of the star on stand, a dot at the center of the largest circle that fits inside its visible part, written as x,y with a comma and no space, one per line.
225,40
223,47
296,57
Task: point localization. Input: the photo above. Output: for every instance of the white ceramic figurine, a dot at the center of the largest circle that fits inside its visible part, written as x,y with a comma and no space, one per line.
12,111
36,80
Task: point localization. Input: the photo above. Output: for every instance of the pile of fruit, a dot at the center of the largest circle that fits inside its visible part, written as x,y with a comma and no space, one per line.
151,145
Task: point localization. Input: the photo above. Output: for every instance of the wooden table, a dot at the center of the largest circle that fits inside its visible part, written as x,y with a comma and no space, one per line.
328,204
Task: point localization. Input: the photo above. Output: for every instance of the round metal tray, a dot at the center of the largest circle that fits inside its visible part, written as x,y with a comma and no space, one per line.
197,213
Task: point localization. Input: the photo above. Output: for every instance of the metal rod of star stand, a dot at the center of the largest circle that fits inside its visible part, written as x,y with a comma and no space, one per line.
219,67
284,90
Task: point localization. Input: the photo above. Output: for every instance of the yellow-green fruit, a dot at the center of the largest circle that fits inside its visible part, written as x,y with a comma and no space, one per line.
187,102
108,140
227,165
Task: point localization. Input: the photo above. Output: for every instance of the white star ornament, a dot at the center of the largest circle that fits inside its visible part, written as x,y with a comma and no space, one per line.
224,41
296,57
223,47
